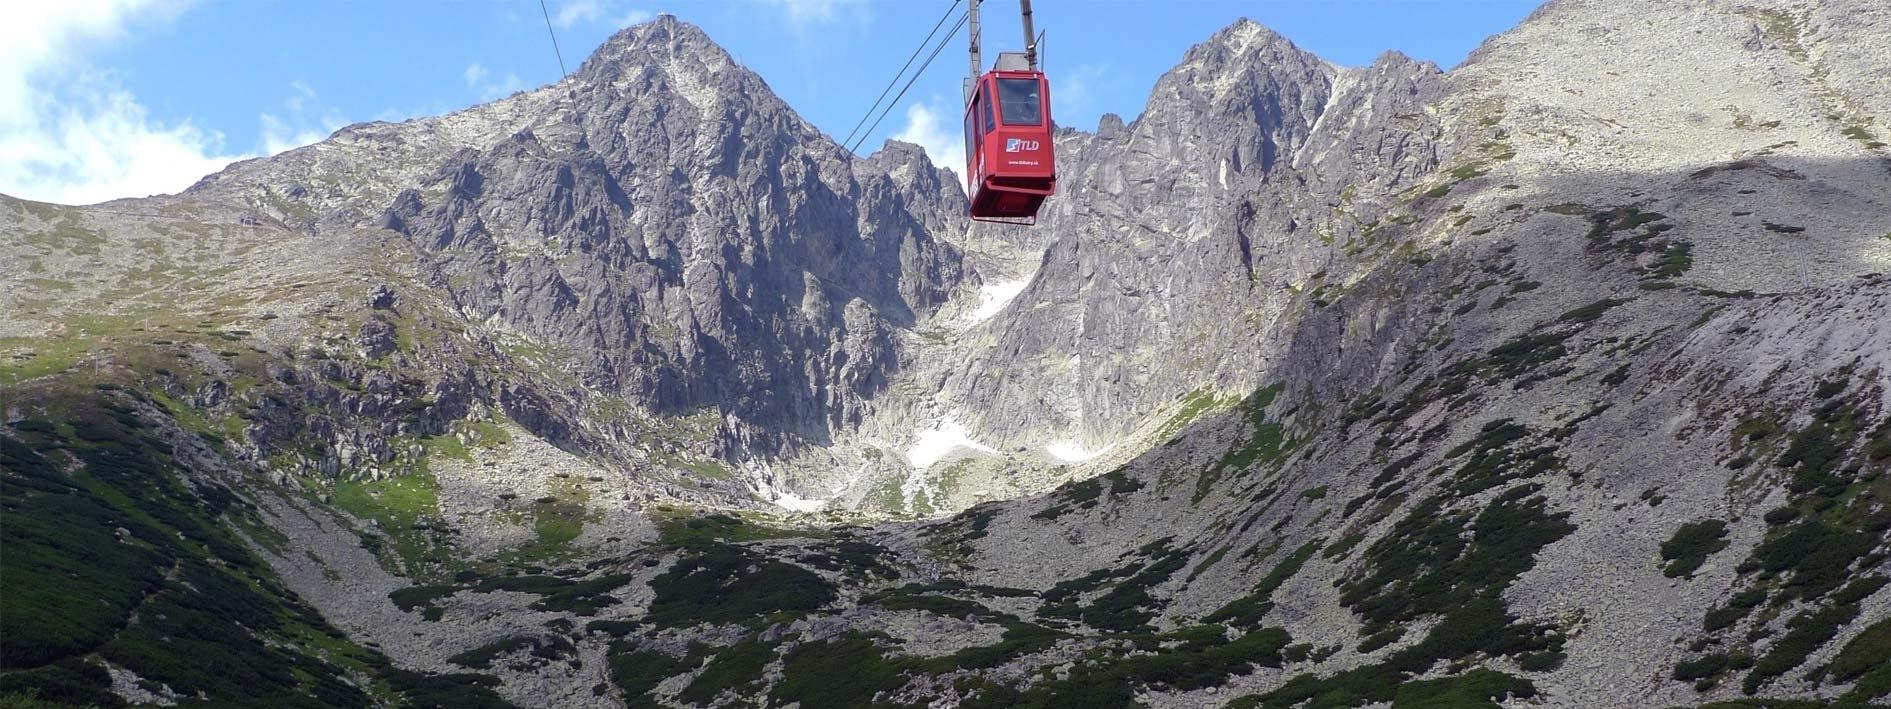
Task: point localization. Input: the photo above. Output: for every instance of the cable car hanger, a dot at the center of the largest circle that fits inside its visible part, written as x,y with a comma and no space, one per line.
1010,162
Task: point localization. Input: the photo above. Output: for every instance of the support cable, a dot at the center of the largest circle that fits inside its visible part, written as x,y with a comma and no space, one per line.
548,30
909,82
902,72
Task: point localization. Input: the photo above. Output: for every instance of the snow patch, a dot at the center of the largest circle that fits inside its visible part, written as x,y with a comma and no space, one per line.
797,503
934,443
994,297
764,485
1074,452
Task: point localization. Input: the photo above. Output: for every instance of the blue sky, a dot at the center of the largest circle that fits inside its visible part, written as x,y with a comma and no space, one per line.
113,98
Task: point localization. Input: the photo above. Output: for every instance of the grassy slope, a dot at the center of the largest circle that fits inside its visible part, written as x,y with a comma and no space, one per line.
114,556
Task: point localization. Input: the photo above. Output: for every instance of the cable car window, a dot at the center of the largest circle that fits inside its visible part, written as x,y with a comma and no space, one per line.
1022,103
990,125
971,128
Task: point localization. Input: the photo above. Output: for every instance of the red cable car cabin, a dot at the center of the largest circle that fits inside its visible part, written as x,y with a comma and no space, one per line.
1008,159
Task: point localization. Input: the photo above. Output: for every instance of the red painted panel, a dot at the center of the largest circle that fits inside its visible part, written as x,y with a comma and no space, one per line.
1011,165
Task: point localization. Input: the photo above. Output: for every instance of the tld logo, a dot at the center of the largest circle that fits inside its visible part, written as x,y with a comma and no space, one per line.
1015,145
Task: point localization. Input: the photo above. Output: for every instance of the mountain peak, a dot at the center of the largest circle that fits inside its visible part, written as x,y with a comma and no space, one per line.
1244,47
1245,34
665,41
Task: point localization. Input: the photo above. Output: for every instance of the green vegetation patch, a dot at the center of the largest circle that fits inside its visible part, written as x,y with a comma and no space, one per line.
1817,545
1192,658
1706,671
446,691
1480,626
117,559
1631,232
721,583
1806,632
737,668
1208,563
1691,545
1342,546
482,657
582,597
1592,311
403,507
711,530
1640,227
1425,565
421,597
954,538
1439,562
45,358
1812,555
1194,405
1522,355
1866,660
68,579
1735,610
1477,689
1266,443
1495,461
859,560
1088,493
637,673
848,671
1127,605
1246,612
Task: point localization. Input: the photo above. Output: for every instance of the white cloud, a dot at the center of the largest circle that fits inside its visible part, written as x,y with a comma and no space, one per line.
943,142
69,134
576,11
295,128
571,13
803,12
100,148
486,87
278,136
301,93
800,11
1074,96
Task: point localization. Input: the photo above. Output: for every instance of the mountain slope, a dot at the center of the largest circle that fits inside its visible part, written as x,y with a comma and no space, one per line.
1559,423
662,225
1198,230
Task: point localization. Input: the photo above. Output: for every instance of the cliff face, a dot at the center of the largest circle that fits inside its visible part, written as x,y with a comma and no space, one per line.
1607,422
1186,236
1559,379
660,224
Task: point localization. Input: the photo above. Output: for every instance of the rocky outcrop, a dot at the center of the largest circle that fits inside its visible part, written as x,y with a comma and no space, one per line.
1552,379
1181,240
693,242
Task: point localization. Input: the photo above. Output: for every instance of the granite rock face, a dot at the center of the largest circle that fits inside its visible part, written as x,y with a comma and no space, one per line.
664,224
1181,240
693,241
1562,378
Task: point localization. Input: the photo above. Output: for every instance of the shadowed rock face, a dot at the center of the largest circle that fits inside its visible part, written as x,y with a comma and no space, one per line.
1559,379
691,242
1180,239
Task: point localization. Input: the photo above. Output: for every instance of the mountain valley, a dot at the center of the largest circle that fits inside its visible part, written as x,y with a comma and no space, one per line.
1558,379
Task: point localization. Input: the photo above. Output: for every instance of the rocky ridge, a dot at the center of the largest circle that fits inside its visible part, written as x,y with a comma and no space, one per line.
1573,420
